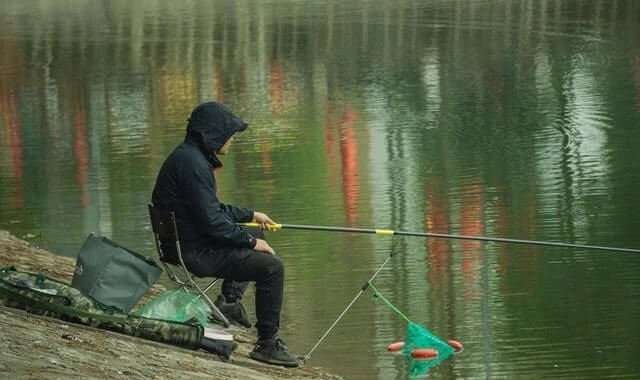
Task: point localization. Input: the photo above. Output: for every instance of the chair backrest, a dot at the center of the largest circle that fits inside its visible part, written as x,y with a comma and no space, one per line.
165,231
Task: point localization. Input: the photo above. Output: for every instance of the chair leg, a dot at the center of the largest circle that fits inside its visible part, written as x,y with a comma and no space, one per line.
214,309
202,293
192,287
210,285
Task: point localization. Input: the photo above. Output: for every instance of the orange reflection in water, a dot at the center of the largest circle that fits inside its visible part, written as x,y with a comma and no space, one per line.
471,224
349,156
340,125
276,87
438,250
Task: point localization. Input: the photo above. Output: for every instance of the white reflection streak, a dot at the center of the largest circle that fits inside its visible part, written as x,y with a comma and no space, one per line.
128,126
576,160
397,194
589,167
411,200
587,116
431,78
379,117
99,210
549,146
380,206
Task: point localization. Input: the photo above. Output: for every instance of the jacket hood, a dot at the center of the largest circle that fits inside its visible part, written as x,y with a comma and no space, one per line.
210,125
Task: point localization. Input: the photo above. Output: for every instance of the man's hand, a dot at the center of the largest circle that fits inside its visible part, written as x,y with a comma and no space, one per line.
263,219
263,246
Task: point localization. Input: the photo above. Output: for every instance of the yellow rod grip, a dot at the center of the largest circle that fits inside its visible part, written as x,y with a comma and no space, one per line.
270,227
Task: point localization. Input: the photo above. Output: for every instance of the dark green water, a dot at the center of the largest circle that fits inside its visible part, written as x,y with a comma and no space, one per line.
516,119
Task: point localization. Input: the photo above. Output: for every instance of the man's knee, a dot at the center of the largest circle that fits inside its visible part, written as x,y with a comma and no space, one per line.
275,267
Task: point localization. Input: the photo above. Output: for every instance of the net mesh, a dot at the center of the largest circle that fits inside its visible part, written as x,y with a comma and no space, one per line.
418,337
176,305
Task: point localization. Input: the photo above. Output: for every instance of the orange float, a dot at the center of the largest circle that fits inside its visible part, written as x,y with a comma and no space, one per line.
395,347
455,344
424,353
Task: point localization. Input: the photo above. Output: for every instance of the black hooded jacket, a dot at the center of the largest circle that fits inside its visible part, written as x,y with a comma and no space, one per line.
186,184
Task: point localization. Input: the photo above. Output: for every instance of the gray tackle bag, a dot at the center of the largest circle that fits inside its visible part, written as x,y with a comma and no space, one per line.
113,275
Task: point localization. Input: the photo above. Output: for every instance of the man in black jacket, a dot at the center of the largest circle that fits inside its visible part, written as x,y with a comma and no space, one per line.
213,245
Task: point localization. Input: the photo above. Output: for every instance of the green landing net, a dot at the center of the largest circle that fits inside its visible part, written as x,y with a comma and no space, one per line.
418,337
176,305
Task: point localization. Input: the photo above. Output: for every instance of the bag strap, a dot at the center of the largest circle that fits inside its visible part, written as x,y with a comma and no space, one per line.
61,305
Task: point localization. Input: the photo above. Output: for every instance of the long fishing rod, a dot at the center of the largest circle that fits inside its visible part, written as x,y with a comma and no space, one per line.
279,226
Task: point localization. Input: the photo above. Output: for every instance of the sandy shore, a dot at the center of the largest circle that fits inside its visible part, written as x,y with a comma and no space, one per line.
35,347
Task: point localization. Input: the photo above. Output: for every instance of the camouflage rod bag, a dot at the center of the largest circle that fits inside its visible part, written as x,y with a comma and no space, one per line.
42,295
113,275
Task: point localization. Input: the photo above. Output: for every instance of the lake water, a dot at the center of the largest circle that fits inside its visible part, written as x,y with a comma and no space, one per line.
512,119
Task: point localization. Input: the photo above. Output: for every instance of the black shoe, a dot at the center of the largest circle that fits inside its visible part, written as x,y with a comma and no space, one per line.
234,311
273,351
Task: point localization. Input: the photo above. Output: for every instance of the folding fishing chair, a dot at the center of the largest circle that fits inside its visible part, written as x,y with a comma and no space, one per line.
163,224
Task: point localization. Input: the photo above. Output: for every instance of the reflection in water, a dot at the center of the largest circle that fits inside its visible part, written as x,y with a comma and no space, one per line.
349,151
584,163
81,154
498,118
14,142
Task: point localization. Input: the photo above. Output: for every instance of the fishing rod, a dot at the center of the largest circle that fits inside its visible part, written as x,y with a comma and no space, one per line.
279,226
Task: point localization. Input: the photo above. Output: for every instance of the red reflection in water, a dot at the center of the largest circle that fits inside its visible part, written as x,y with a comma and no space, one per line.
276,87
349,155
343,117
438,250
471,224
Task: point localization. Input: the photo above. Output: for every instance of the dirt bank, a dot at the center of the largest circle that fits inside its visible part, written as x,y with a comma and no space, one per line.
35,347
